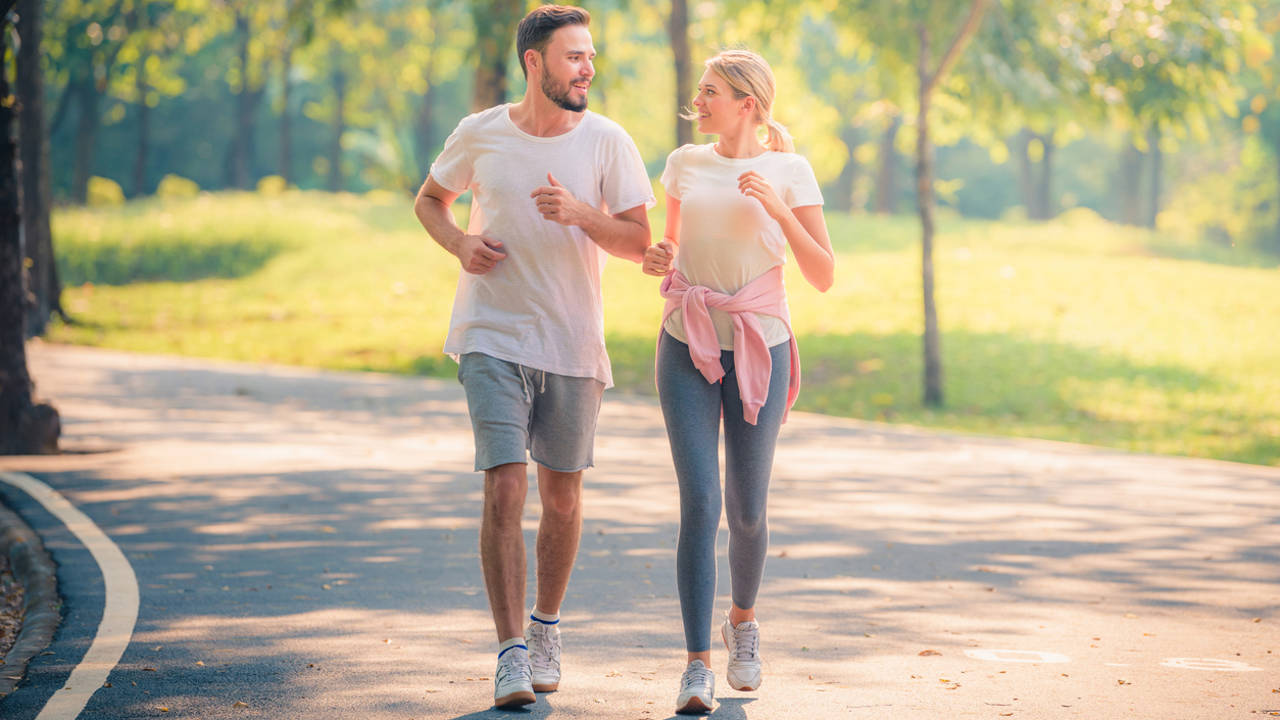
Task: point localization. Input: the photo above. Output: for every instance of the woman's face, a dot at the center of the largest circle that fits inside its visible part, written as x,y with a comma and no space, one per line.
718,109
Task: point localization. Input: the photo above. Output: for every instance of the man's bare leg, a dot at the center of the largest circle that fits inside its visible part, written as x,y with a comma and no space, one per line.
559,531
502,554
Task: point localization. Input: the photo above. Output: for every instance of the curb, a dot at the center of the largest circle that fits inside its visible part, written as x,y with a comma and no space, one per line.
35,572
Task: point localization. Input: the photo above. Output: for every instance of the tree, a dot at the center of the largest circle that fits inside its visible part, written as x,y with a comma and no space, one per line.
495,24
92,34
678,30
905,34
25,426
42,270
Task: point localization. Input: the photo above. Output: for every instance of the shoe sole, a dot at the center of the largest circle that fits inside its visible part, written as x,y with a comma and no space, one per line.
724,635
516,699
546,687
694,706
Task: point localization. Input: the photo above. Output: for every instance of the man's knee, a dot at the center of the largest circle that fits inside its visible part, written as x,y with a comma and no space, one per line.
561,493
505,488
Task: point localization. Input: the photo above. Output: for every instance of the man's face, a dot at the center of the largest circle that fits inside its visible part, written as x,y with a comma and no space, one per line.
567,68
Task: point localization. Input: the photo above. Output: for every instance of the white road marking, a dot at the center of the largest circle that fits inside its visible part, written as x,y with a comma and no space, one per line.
1210,664
120,607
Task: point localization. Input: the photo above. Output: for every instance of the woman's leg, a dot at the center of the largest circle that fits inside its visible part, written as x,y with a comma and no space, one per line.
691,409
748,465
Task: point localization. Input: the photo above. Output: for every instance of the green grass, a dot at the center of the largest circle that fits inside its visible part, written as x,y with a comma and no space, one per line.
1075,330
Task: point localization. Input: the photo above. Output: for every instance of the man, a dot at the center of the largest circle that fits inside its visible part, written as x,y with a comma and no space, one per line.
555,187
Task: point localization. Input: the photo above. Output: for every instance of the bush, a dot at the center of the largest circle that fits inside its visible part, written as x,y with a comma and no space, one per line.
272,185
176,186
1230,208
104,192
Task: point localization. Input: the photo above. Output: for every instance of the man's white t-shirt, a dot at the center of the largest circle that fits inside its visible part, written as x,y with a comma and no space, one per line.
541,306
726,238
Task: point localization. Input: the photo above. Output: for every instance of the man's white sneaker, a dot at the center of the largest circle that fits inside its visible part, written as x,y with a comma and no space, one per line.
743,642
544,655
697,689
511,681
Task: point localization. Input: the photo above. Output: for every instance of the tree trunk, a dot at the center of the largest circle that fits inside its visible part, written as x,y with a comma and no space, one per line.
339,127
25,427
424,131
887,180
1045,208
678,29
85,140
286,119
45,290
847,182
144,131
924,198
1022,151
242,137
495,22
1157,174
1129,192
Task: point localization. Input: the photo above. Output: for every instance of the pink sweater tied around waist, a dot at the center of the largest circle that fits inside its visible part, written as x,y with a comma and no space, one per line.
764,295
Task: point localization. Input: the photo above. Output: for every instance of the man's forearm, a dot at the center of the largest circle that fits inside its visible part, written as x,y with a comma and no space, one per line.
437,219
621,237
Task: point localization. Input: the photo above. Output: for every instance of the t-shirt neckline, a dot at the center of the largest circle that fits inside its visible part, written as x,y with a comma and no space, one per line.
506,114
734,160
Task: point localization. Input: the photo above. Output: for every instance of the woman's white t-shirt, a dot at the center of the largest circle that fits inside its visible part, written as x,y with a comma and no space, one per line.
726,238
541,306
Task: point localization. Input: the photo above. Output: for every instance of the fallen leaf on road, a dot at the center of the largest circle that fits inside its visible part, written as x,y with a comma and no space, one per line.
239,704
927,653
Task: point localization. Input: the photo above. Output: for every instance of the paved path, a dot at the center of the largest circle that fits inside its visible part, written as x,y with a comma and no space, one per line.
305,547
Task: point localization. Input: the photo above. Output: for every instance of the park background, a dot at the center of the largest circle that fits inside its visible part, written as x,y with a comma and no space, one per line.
234,179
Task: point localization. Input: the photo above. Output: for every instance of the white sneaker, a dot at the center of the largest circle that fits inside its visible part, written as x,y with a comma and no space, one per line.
511,681
743,642
697,689
544,655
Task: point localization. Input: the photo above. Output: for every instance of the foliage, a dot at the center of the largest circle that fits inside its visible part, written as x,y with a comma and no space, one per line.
1072,330
104,192
176,186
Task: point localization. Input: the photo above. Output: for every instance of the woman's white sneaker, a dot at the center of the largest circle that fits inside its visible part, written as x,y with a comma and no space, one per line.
512,686
697,689
743,643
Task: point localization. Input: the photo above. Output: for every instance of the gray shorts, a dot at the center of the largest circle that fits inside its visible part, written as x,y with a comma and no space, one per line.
515,408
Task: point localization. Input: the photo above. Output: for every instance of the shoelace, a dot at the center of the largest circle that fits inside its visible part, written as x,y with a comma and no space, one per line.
507,668
696,676
745,643
548,657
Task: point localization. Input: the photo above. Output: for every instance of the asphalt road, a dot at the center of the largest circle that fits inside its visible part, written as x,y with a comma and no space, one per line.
305,546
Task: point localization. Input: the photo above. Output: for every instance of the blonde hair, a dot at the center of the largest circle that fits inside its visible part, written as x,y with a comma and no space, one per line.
749,75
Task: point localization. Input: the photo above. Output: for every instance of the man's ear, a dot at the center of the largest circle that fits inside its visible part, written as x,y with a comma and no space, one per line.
532,60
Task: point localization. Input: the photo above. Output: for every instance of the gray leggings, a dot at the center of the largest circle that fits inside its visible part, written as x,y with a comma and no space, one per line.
692,409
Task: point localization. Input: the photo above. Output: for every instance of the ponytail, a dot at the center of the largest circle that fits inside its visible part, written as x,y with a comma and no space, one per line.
779,139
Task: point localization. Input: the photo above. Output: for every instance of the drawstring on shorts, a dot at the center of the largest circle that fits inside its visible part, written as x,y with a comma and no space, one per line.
524,382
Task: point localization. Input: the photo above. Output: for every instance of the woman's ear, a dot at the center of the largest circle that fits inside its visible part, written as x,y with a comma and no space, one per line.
749,105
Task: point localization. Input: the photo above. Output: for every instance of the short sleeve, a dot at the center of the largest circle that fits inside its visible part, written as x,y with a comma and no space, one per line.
453,167
625,182
671,173
803,189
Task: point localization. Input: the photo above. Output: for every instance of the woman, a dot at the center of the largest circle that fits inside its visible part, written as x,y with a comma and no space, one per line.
726,348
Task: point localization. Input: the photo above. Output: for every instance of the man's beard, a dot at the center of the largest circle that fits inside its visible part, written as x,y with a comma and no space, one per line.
561,97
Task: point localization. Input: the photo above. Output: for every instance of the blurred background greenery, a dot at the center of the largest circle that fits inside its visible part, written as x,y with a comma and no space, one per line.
234,179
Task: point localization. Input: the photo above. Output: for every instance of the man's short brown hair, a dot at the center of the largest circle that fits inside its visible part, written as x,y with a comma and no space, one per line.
534,31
